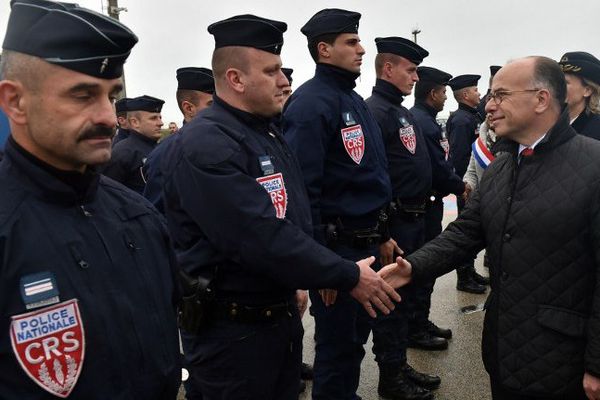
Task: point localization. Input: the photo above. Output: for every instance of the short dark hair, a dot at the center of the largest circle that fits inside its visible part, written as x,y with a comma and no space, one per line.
382,58
187,95
423,88
548,74
313,44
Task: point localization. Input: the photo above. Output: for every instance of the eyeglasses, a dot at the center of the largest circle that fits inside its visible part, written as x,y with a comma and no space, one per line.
499,95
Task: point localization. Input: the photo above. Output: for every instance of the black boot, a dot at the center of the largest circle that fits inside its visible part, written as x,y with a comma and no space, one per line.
427,381
306,372
395,386
435,330
482,280
426,341
465,281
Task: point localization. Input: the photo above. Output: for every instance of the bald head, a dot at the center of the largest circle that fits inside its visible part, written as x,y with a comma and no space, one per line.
526,99
538,72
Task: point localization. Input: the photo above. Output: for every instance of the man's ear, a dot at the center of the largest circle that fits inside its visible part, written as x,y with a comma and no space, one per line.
13,101
235,80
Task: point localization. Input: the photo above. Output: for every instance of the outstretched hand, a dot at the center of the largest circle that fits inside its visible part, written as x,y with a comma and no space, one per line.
398,274
372,291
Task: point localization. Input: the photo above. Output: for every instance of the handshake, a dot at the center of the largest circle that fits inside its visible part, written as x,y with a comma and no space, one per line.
376,289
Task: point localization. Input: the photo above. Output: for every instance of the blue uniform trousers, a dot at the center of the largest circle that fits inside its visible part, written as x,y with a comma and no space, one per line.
254,361
390,331
422,295
341,330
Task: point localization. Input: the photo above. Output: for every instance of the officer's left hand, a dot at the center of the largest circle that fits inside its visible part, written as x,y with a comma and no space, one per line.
387,250
591,386
372,291
301,301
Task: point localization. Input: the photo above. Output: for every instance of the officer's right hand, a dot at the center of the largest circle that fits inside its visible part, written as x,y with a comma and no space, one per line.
372,290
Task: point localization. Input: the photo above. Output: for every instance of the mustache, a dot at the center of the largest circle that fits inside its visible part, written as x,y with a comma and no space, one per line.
97,131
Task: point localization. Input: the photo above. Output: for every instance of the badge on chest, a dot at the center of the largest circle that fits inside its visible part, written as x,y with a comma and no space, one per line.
275,187
49,344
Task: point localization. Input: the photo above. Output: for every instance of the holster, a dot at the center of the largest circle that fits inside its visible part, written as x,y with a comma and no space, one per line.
194,311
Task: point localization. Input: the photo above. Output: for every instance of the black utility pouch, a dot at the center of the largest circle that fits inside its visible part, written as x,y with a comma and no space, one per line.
197,302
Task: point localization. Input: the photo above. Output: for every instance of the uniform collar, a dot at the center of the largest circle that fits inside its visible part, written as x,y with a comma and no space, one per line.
581,121
430,110
388,91
68,187
342,78
143,138
255,122
463,106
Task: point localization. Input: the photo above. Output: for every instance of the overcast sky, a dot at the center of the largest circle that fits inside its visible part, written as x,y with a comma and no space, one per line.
462,36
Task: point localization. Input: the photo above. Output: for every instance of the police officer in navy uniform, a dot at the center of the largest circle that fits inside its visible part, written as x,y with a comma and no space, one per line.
87,295
430,97
195,89
463,129
342,156
238,215
130,154
410,173
582,73
122,120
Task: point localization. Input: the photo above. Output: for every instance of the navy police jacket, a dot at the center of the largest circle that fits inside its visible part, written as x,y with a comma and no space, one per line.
340,149
122,134
444,180
237,210
587,124
87,299
128,158
153,174
463,130
408,159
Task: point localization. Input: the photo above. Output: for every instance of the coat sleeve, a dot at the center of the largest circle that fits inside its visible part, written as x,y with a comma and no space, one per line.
471,174
237,216
461,241
592,351
308,134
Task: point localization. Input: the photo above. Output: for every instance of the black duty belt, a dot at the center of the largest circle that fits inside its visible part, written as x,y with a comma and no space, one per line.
412,208
250,314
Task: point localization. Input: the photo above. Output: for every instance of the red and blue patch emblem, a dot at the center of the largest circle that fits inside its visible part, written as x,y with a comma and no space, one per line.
50,346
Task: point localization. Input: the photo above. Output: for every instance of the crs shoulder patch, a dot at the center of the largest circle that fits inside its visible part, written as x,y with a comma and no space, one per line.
354,142
275,187
49,344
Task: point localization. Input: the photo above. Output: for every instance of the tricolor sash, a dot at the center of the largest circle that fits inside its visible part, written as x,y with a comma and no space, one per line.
482,154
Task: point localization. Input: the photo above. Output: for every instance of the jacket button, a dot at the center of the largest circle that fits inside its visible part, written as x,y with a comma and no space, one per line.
507,237
504,276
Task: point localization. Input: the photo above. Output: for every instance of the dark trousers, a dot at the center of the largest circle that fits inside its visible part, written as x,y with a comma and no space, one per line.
341,330
465,270
501,393
232,360
390,332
